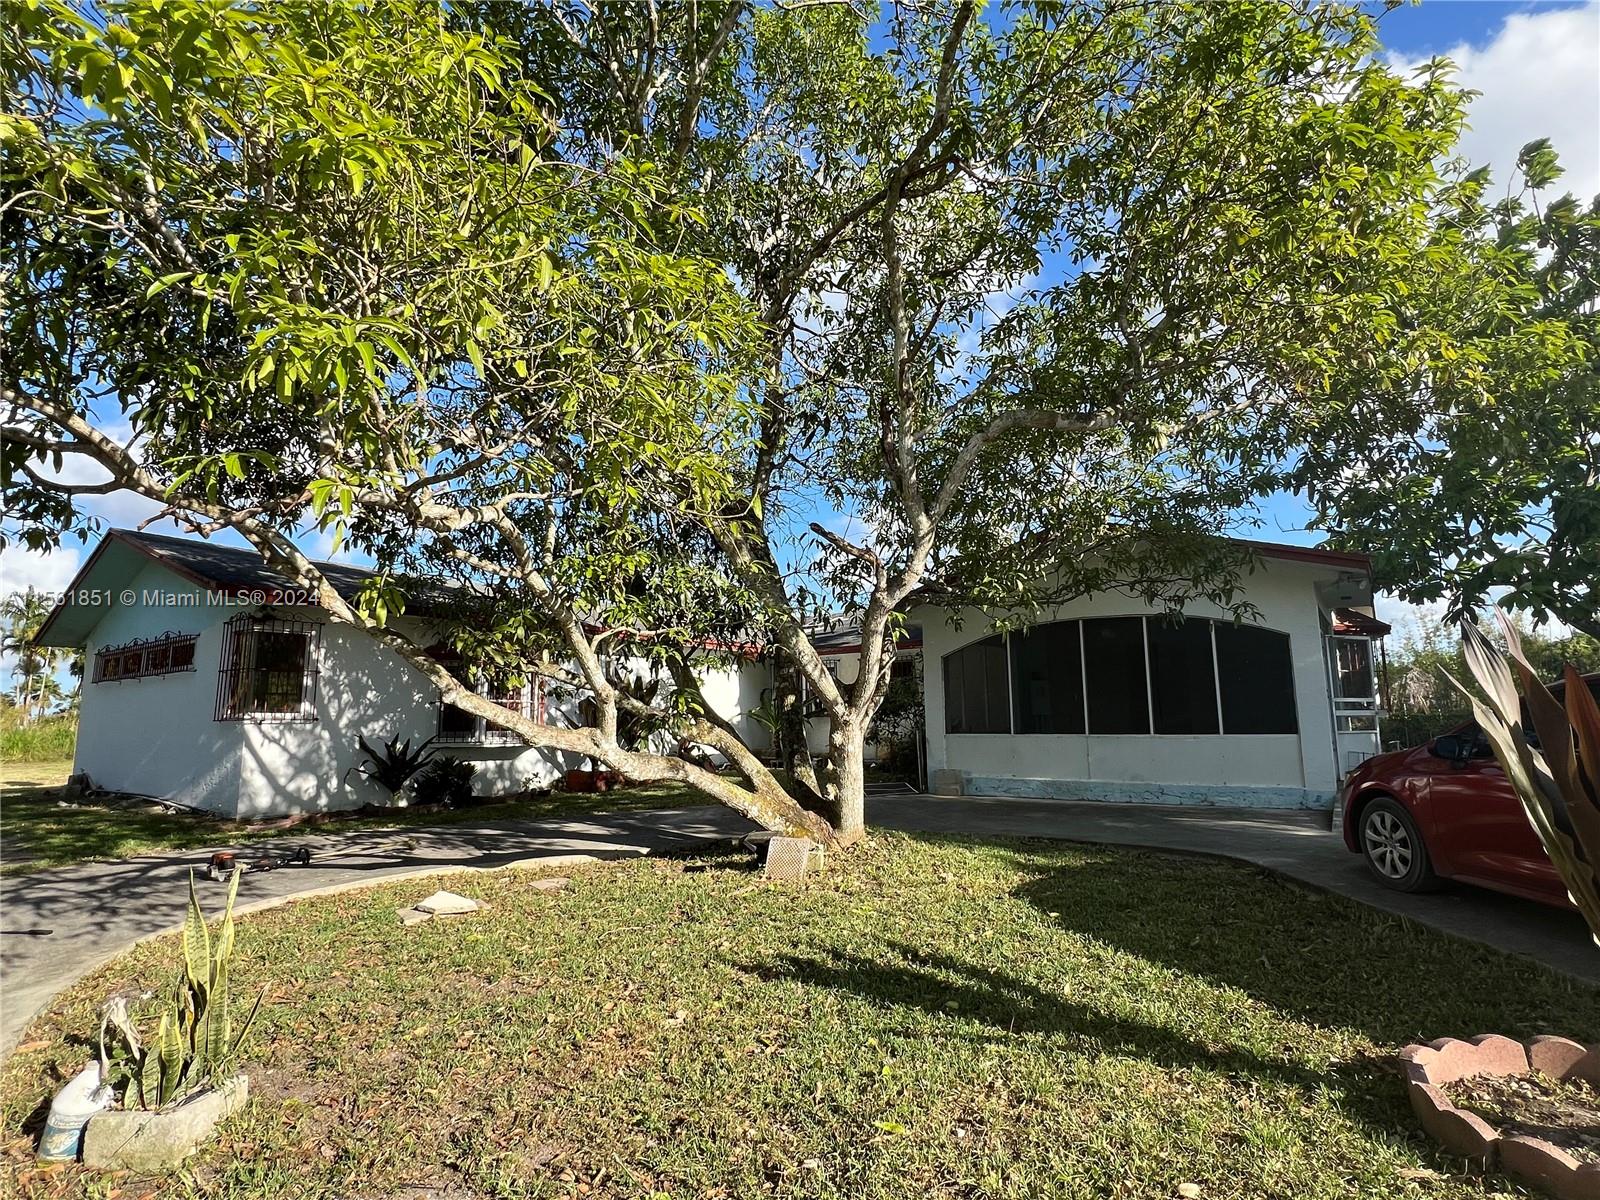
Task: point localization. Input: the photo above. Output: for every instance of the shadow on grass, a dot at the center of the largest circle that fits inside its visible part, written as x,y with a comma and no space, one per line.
1212,929
41,832
953,989
1322,958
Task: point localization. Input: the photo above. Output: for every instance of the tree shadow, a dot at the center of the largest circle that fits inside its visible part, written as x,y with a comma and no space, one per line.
955,990
1310,957
1326,959
961,992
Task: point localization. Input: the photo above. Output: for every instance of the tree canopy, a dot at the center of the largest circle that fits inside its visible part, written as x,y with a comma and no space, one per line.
613,315
1488,486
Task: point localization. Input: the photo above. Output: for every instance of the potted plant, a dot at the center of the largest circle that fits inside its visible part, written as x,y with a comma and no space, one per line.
1473,1096
172,1089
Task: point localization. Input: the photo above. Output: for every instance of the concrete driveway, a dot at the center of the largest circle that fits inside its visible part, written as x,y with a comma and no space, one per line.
1293,842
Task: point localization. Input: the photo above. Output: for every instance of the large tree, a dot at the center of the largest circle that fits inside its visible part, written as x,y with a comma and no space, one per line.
276,266
1486,486
606,308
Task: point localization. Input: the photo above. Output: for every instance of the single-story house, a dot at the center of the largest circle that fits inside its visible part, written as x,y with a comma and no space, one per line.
210,683
1107,698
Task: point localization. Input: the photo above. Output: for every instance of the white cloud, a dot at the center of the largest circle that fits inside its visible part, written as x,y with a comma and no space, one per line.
1539,77
21,568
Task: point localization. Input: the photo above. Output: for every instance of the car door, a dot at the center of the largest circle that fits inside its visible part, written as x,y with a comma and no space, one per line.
1481,831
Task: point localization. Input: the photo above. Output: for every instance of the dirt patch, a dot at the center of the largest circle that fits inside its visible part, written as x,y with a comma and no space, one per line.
1563,1112
274,1085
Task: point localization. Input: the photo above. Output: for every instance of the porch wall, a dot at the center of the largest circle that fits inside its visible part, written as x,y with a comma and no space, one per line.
1264,770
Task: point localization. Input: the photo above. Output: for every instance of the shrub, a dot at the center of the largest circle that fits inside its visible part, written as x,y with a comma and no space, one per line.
1555,772
446,781
393,766
45,739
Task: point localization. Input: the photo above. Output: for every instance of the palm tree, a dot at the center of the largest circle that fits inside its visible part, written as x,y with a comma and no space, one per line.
22,616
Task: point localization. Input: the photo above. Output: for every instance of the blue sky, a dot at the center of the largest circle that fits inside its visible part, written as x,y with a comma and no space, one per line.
1537,66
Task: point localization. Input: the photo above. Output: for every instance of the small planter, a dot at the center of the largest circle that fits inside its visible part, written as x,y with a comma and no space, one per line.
157,1141
593,781
1430,1068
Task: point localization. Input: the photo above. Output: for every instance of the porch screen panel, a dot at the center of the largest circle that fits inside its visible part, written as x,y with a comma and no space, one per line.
1113,661
976,696
1256,678
1047,678
1183,681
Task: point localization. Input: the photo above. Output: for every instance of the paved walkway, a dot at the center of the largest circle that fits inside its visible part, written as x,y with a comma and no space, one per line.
1296,843
58,925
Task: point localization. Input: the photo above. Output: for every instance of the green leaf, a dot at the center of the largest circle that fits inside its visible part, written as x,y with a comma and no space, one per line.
196,940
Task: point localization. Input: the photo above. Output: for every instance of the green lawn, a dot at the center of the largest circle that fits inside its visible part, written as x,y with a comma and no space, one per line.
39,830
927,1018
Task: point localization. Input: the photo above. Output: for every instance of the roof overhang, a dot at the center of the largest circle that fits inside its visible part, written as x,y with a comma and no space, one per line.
116,561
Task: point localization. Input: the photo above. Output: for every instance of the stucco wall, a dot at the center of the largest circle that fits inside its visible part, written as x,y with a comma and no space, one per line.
157,736
735,692
364,690
1266,769
154,736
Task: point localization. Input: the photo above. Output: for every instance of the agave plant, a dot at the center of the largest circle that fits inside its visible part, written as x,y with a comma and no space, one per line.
395,764
1557,779
195,1042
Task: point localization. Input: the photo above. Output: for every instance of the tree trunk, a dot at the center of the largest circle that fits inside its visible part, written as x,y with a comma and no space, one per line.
793,751
847,781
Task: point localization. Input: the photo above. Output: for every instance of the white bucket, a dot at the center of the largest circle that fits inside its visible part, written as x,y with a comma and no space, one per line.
70,1111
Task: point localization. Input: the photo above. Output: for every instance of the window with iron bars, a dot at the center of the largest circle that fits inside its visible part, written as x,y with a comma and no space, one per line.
268,671
458,726
164,655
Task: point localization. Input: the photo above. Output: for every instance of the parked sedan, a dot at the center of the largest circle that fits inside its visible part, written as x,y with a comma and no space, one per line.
1446,810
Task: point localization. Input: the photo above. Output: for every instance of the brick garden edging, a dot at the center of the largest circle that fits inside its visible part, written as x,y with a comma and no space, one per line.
1428,1068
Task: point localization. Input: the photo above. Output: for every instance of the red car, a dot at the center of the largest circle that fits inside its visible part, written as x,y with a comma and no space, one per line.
1445,810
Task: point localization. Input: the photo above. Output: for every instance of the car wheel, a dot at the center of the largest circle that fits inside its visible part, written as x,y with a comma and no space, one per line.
1393,847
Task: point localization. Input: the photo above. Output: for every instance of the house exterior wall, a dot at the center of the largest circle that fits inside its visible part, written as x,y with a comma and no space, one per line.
365,690
735,693
154,736
1265,770
158,736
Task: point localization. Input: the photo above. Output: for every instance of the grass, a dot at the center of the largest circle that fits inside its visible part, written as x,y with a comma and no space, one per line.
45,740
40,830
926,1018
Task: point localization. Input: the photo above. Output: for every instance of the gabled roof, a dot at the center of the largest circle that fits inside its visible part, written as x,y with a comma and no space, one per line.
229,571
847,640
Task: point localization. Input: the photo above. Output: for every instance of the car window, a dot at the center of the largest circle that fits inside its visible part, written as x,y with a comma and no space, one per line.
1480,743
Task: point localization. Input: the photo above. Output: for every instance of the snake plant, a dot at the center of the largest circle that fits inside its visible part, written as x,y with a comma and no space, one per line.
1556,774
195,1041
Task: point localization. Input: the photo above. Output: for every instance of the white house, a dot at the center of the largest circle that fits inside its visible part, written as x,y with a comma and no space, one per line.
208,683
1107,699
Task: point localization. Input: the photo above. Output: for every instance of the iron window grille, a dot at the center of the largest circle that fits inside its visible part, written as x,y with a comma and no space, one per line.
459,727
167,654
268,671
